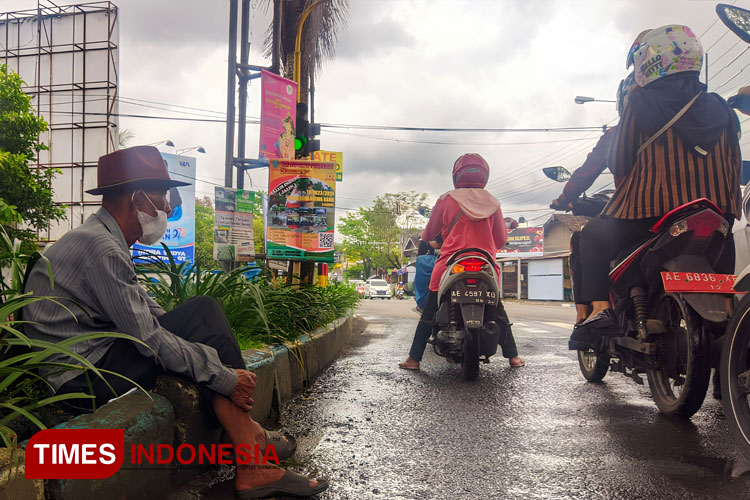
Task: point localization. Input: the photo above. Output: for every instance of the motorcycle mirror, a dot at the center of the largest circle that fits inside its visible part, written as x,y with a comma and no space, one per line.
557,174
736,19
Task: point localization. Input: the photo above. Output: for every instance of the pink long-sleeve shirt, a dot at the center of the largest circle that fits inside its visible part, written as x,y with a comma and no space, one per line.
489,234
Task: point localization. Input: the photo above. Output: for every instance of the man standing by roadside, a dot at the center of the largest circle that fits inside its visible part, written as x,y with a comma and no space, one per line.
93,269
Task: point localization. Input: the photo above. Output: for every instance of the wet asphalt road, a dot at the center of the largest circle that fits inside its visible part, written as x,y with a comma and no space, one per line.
378,432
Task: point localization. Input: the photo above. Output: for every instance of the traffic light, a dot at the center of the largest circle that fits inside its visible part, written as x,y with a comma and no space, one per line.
313,144
302,130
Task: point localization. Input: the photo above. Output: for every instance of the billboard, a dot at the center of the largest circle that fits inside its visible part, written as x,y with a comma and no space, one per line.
180,235
278,114
300,216
523,242
68,57
234,238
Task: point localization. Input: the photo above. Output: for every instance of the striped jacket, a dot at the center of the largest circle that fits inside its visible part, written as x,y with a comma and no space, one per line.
668,173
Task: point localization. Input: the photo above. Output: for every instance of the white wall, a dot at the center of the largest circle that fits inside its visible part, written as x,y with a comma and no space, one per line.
546,279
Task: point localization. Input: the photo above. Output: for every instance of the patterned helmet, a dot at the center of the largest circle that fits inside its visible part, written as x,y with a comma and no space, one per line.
666,51
470,171
622,91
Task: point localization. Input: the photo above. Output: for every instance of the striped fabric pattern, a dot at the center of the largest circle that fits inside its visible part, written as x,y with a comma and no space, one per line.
668,174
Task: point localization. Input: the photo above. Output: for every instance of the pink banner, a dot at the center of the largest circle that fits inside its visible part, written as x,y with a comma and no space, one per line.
278,115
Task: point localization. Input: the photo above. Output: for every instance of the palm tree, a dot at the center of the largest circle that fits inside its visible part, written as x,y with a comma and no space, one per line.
319,36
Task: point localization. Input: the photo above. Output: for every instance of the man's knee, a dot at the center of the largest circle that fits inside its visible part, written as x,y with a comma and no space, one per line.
206,306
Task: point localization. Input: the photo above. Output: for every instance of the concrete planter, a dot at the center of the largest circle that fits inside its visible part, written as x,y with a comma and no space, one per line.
173,415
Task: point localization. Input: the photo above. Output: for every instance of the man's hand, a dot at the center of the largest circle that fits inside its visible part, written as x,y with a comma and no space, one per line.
434,244
558,206
242,395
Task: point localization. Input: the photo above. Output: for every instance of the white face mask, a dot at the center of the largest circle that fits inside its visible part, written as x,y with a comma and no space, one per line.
153,227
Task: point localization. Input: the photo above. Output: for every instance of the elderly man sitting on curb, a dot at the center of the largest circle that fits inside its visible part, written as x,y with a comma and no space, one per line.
92,267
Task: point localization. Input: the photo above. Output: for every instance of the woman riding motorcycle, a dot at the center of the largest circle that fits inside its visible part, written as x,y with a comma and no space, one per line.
675,143
466,217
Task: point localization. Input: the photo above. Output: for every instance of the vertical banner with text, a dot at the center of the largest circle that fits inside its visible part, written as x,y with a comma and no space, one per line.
300,218
234,238
180,235
278,114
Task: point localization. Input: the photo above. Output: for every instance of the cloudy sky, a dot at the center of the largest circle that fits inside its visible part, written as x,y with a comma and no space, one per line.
421,63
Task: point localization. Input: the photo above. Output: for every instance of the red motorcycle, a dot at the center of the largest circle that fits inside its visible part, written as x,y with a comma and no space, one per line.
671,306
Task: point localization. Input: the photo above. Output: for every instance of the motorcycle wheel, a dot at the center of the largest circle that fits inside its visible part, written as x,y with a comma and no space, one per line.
470,361
735,362
593,366
680,382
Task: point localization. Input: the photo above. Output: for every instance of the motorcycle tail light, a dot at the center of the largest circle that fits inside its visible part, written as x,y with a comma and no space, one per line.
678,228
471,282
472,265
458,268
703,224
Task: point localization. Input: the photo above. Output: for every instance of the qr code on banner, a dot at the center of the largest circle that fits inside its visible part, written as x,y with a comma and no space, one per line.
325,240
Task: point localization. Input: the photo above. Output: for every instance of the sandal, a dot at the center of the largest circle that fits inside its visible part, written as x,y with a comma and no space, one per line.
284,448
291,484
404,366
518,364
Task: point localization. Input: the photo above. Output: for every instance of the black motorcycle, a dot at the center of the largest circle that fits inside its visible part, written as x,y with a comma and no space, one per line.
468,326
670,305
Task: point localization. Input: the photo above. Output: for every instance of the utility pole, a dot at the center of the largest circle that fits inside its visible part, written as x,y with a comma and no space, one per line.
231,71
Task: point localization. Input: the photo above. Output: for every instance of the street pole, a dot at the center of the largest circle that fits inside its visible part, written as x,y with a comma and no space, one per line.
231,75
242,75
297,76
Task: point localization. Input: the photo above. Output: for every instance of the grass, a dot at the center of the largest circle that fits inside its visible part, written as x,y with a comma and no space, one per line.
263,311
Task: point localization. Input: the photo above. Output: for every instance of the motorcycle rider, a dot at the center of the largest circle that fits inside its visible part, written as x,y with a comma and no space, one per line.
466,217
582,179
675,143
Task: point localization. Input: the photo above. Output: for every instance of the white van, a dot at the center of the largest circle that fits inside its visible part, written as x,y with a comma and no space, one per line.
377,289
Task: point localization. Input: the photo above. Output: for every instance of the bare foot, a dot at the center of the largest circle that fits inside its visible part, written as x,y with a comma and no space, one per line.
409,364
517,362
253,476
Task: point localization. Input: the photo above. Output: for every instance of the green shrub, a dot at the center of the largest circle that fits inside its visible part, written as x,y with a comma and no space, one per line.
262,311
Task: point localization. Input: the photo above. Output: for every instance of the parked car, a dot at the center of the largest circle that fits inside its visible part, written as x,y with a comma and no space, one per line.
377,289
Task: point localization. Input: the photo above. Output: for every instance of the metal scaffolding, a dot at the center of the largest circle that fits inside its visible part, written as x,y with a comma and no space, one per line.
68,57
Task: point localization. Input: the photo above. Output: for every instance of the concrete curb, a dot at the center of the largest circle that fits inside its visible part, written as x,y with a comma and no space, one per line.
173,415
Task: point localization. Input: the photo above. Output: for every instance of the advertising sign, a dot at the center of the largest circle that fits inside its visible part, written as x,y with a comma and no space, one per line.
180,235
332,156
523,242
300,217
278,114
233,224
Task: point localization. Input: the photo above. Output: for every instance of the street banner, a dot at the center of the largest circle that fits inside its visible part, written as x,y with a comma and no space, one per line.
300,217
180,235
523,242
234,238
332,156
278,114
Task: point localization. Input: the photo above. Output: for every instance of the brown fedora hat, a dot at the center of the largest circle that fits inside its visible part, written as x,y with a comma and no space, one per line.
142,165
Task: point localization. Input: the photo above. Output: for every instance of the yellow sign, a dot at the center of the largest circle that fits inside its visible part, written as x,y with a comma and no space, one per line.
332,157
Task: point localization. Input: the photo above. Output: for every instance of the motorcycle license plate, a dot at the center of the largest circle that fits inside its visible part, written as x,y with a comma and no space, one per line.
680,281
473,296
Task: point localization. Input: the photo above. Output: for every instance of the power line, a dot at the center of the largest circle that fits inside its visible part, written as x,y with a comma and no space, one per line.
459,143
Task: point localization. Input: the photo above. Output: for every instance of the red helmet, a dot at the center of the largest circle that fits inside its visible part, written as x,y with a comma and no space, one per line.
470,171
